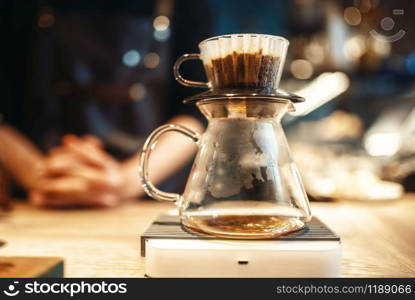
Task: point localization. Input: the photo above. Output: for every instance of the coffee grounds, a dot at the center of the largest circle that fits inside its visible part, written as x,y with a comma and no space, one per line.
244,71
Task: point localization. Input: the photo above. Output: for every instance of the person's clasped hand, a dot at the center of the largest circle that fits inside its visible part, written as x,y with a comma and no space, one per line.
79,173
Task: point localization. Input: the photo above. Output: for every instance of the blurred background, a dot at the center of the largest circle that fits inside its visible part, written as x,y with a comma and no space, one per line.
105,68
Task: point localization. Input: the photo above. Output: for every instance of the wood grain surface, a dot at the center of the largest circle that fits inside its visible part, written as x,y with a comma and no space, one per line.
14,267
378,238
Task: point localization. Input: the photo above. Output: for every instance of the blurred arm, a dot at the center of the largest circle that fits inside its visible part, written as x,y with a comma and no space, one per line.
20,157
172,152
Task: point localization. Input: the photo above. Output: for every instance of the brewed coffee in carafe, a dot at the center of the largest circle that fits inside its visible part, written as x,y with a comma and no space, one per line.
243,183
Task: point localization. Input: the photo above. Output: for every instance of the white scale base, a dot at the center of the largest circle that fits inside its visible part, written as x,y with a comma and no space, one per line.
316,252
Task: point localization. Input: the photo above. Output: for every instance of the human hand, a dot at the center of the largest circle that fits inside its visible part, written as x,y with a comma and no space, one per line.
79,173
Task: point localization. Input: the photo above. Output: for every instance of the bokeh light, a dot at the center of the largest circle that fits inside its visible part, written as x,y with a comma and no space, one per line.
46,20
410,63
137,91
162,36
301,69
352,16
161,23
151,60
131,58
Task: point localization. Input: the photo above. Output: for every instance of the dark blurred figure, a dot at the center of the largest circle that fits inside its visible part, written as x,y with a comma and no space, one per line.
88,81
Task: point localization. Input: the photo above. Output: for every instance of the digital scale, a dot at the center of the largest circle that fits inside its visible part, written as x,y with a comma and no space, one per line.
171,251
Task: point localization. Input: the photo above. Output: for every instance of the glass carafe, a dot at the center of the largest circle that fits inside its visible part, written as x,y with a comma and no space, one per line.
243,183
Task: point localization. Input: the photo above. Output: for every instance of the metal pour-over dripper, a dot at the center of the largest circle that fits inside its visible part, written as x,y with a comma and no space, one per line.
246,65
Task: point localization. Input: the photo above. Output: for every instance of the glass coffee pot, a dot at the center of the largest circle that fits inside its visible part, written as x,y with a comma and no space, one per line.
243,183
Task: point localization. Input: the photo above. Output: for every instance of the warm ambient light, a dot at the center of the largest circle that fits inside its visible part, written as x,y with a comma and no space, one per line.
161,23
352,16
382,144
151,60
324,88
314,52
354,47
365,5
161,26
137,91
301,69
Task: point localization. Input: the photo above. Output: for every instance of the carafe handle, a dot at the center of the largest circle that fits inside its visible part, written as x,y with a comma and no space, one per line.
178,76
148,147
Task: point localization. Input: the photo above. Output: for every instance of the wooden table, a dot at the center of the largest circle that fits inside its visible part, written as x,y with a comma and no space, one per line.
378,238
